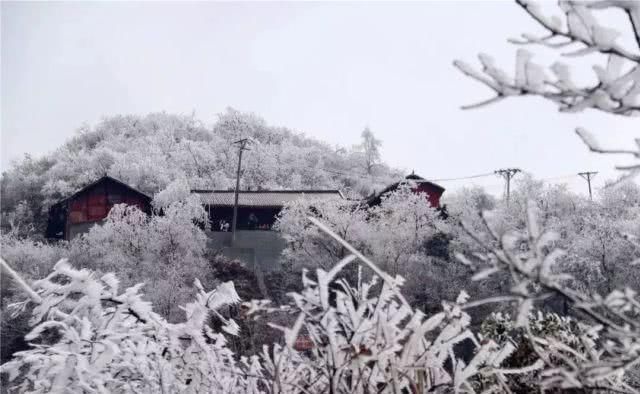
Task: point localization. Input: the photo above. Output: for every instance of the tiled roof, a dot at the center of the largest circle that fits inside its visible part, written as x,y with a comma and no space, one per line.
263,198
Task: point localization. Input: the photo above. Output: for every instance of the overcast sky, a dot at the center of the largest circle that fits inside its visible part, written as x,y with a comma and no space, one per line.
326,69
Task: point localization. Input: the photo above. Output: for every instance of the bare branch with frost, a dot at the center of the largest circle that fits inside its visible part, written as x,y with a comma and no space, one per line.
617,87
591,142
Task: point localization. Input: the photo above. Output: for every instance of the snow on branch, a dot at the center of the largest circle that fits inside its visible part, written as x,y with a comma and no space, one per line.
582,28
19,281
90,336
631,170
366,338
617,89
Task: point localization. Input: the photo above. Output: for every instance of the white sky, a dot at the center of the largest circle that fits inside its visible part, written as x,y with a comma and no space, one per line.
327,69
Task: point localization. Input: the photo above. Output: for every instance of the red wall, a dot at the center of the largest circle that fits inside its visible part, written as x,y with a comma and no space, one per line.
433,194
94,204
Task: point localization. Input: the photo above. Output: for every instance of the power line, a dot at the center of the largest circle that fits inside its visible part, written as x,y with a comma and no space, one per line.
461,178
482,175
335,171
365,176
557,177
500,172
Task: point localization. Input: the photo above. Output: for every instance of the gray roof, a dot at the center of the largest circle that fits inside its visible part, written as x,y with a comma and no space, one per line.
263,198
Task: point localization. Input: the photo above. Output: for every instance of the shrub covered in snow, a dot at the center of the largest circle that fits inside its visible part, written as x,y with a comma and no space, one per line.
364,337
89,335
608,353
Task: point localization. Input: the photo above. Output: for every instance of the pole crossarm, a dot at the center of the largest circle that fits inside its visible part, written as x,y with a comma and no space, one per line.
508,174
588,176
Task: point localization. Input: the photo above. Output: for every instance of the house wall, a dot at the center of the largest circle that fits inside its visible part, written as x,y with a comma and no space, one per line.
258,249
79,213
433,194
266,217
94,204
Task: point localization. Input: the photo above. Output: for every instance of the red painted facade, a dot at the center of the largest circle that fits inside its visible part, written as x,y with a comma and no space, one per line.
92,204
95,204
433,193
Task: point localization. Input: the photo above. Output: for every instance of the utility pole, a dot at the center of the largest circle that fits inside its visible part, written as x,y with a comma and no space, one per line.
588,176
242,146
508,174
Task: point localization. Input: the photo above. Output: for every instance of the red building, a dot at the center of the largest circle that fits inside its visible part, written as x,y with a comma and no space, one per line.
431,191
257,210
91,204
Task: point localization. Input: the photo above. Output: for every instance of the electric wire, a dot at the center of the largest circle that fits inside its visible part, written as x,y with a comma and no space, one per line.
363,176
433,180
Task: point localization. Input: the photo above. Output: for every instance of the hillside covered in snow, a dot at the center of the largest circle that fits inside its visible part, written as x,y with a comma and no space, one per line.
149,152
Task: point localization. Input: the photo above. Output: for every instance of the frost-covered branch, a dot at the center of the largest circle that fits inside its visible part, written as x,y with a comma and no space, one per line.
89,336
631,170
366,338
630,7
581,27
19,281
617,90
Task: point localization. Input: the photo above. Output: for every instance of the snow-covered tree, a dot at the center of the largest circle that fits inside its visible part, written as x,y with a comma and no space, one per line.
404,234
391,232
595,235
364,334
165,251
309,246
22,193
609,351
370,147
150,152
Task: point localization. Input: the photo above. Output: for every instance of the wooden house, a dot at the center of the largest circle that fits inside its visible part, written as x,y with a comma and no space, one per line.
418,184
90,205
257,209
